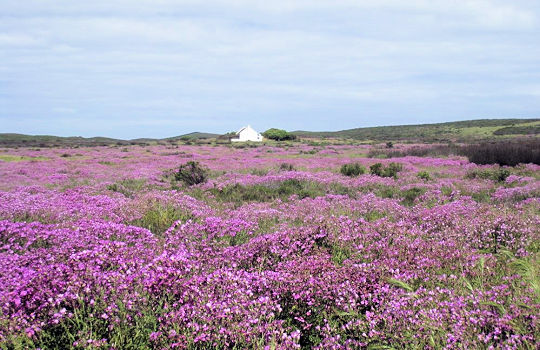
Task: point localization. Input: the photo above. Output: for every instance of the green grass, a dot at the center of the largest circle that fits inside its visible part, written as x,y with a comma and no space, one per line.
128,187
14,158
158,218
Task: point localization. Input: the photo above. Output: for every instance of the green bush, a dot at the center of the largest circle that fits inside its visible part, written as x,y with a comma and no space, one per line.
411,194
286,167
423,175
376,169
191,173
495,174
390,171
352,169
278,135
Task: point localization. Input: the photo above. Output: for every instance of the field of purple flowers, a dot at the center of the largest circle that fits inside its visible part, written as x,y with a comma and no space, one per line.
102,248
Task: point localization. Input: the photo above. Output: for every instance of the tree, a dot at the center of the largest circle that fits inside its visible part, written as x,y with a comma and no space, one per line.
278,135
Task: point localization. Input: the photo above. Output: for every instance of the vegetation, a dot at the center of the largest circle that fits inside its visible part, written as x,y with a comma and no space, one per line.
424,175
286,167
495,174
352,169
191,173
159,217
445,256
128,187
504,153
518,130
268,192
278,135
389,171
463,131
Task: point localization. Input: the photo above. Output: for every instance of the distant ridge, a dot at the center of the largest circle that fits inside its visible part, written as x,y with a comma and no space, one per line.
194,135
467,130
460,131
22,140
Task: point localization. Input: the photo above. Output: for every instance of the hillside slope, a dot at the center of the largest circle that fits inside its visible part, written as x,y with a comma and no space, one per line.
468,130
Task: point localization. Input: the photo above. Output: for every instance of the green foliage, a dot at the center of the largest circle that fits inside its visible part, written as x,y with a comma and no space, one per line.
352,169
374,215
236,240
87,327
400,284
191,173
411,194
518,130
286,167
468,130
278,135
481,196
423,175
376,169
158,218
268,192
495,174
446,190
509,152
128,187
390,171
340,253
387,192
259,171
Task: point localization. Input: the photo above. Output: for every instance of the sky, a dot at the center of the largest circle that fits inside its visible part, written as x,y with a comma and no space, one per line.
160,68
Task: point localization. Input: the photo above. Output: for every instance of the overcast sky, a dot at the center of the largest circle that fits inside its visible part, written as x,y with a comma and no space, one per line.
158,68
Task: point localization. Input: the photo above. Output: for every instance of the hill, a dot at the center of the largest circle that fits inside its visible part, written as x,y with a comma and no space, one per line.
463,131
21,140
194,136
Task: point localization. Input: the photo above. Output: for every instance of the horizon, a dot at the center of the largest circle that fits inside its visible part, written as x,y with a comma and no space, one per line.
256,129
128,71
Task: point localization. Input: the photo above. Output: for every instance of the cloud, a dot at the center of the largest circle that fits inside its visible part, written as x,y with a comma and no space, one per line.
281,63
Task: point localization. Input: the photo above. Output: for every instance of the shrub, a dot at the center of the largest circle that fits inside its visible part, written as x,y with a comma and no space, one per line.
191,173
518,130
390,171
268,192
352,169
497,174
504,153
286,167
423,175
278,135
376,169
259,171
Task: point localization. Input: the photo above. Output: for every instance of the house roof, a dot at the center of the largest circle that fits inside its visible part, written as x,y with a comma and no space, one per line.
246,127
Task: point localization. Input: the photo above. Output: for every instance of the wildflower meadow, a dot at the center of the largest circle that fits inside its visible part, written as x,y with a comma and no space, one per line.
277,246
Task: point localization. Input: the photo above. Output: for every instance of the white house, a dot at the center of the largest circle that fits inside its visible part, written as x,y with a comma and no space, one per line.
247,134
